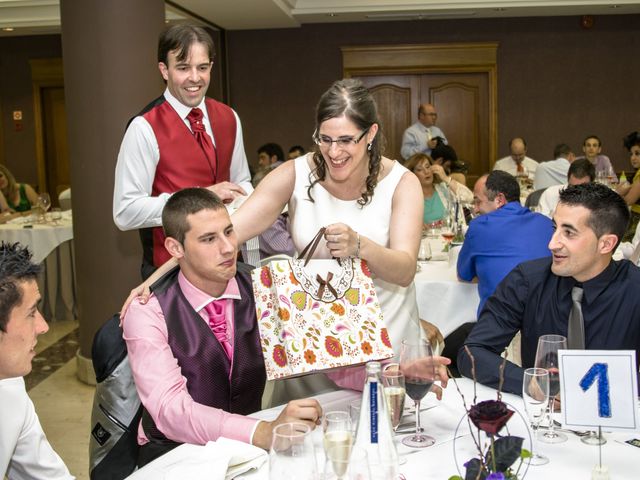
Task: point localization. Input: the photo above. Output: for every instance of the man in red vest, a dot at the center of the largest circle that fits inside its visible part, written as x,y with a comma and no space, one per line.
179,140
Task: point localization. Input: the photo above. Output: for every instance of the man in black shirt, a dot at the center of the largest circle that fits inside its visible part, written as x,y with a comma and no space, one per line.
535,297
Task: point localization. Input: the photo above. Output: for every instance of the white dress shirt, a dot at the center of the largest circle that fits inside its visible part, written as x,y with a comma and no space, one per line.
133,205
549,199
553,172
508,164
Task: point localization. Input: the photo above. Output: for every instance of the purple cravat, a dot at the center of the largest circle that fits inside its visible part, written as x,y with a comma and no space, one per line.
218,324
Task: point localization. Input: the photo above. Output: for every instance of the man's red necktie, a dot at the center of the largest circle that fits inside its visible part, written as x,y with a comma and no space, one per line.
199,132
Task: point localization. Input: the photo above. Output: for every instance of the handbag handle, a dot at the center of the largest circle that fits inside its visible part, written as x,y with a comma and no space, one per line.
308,251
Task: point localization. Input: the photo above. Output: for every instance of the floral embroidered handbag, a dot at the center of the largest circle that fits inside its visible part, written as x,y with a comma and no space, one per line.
316,315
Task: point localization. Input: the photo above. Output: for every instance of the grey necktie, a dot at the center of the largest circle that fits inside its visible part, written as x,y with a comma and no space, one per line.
575,334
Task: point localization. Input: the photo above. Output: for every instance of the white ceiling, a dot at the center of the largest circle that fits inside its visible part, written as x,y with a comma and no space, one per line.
28,17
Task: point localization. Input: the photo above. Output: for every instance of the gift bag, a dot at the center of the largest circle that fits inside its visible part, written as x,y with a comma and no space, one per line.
316,315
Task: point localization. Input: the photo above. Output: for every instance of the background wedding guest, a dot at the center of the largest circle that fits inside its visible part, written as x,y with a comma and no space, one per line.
19,197
25,451
554,172
194,387
631,191
438,189
517,163
536,298
592,148
295,151
270,156
179,140
581,171
422,136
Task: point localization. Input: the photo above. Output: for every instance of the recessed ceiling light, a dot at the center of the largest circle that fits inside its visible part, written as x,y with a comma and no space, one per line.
332,14
499,9
614,6
7,29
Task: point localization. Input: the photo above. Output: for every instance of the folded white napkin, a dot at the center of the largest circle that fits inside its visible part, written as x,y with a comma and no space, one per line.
221,460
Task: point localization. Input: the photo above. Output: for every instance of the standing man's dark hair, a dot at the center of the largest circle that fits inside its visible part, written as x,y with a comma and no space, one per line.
16,267
505,183
180,38
609,211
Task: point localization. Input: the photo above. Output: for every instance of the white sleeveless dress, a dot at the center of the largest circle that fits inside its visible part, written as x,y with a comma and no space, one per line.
399,307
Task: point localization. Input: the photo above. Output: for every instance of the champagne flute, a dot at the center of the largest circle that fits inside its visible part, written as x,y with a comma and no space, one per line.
291,456
343,463
416,363
547,358
336,430
535,394
394,392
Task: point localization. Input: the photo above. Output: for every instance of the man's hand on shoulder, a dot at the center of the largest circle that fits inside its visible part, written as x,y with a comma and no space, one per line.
306,410
227,191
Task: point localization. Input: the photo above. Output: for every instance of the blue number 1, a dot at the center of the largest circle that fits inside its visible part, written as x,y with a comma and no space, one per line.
599,372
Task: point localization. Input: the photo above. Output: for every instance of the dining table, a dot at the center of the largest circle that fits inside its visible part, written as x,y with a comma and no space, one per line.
442,298
446,421
51,244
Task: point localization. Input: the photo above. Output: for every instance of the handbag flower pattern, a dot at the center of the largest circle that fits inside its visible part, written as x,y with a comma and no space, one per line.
311,324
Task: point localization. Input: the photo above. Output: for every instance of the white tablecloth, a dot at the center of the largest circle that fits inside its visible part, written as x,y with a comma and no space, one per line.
52,247
442,299
571,460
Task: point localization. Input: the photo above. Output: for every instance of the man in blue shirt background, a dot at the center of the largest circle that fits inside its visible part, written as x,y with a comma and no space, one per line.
504,235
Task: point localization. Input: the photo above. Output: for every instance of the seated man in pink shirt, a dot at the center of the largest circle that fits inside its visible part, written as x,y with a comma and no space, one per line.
194,347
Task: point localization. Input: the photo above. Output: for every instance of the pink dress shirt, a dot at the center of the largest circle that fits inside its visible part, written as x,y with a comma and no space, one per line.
161,386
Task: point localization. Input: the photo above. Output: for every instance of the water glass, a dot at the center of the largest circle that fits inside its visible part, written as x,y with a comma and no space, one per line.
535,395
291,456
424,252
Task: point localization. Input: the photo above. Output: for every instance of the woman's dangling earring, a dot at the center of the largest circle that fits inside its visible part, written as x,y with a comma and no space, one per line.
369,146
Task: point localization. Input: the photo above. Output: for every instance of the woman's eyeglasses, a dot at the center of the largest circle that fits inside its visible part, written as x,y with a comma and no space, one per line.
342,142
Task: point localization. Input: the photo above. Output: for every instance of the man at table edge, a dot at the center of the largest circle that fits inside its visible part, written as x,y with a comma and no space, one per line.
25,451
174,342
536,297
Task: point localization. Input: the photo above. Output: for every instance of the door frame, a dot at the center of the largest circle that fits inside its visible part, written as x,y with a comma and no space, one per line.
45,73
430,58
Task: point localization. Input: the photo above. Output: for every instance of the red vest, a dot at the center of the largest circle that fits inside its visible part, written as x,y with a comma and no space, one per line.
182,162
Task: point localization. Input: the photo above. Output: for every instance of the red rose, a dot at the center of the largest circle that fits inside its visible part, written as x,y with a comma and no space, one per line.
490,416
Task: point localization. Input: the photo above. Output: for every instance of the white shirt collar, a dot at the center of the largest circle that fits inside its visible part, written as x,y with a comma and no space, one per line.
181,108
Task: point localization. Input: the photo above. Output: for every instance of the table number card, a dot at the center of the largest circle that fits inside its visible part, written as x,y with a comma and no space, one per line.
599,388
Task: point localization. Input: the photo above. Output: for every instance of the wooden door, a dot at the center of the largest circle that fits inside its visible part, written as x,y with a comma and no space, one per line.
461,100
56,157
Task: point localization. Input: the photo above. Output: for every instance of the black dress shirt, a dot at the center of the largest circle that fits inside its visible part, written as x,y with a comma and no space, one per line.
532,299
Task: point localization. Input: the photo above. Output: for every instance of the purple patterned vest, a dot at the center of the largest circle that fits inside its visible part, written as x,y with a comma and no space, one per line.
202,359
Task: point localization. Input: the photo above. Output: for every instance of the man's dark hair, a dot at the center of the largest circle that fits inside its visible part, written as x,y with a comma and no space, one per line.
445,152
183,203
562,150
16,267
609,211
180,38
272,149
594,137
582,168
297,148
502,182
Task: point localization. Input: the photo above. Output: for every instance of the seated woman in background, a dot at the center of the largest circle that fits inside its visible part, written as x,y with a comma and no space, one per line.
631,191
19,196
438,188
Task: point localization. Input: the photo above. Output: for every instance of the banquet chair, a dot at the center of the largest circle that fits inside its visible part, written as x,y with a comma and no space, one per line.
64,198
534,198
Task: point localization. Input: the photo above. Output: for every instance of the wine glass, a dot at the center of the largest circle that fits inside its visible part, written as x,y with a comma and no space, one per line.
416,363
547,358
394,392
346,463
535,394
336,429
44,201
291,456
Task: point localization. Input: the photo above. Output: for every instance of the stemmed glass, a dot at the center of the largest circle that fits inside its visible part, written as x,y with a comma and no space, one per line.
336,430
44,202
345,463
394,392
547,358
416,363
535,394
291,456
